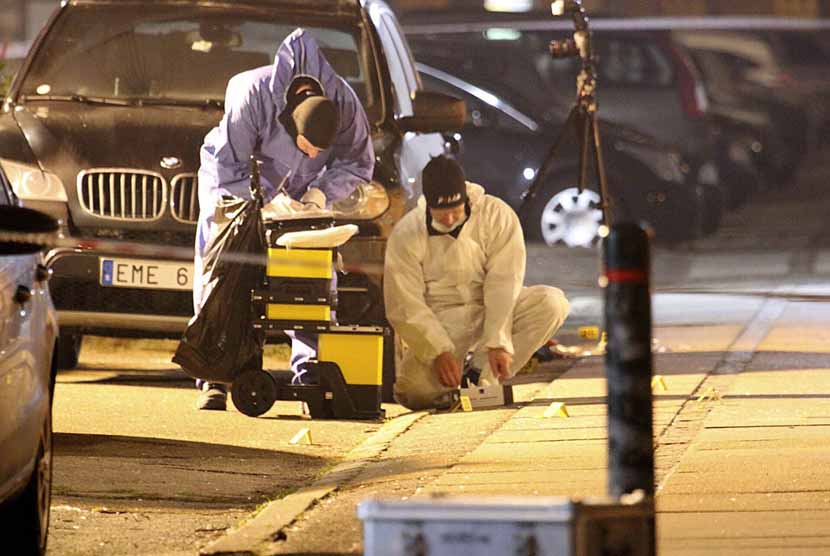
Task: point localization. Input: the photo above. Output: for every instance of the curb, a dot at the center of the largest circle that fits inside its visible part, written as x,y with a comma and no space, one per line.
268,523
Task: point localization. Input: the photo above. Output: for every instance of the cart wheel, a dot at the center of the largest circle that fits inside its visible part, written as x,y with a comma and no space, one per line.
254,392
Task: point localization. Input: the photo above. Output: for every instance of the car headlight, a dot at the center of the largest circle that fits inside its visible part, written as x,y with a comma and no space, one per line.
367,202
30,183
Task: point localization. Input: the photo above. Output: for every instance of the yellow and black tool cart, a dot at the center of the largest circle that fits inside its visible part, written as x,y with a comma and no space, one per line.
297,293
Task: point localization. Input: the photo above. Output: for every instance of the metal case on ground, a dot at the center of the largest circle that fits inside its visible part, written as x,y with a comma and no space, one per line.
538,526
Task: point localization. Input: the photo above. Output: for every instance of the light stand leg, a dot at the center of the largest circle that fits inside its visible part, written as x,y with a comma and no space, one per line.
584,142
605,203
530,194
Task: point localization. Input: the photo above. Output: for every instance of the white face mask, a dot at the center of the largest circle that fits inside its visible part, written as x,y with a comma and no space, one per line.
438,227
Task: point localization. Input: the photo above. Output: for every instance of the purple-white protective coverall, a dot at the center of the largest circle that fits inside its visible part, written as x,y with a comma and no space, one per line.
254,100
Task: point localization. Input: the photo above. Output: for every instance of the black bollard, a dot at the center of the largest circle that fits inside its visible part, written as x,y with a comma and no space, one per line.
628,361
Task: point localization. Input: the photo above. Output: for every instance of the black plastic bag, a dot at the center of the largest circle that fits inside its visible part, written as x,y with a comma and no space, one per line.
221,342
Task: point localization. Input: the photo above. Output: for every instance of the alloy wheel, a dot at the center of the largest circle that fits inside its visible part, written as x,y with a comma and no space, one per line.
572,218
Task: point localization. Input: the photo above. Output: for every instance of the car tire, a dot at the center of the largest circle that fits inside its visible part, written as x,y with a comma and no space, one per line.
69,349
560,214
24,521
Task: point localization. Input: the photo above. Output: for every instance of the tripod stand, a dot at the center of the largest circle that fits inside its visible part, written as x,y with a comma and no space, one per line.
583,115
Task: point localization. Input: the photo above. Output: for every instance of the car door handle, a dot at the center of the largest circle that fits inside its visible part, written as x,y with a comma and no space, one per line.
42,273
22,295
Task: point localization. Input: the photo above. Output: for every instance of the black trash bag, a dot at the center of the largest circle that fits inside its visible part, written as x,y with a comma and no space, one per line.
221,341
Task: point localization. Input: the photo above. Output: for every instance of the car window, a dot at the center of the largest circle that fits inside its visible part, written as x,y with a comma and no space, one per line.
506,70
800,48
739,66
479,113
175,52
633,63
473,105
714,67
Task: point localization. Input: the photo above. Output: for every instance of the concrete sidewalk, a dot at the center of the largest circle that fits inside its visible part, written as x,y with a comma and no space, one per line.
756,478
742,437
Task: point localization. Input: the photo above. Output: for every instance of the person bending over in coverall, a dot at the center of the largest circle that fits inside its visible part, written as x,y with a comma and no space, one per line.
310,131
453,280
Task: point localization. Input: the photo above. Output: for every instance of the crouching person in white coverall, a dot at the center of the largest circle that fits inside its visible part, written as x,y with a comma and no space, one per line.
453,284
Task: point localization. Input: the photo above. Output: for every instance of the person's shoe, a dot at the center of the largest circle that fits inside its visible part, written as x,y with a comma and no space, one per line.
214,396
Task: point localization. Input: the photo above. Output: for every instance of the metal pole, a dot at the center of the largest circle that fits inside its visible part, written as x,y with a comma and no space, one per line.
628,367
628,361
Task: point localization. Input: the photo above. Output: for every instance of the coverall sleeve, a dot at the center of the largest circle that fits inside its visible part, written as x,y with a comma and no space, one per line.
406,309
504,275
352,159
226,152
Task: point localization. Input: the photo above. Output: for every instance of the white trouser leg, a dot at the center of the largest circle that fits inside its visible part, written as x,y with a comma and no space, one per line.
416,385
540,311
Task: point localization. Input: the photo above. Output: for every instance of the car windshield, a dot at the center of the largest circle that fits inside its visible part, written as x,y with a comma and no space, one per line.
499,66
175,53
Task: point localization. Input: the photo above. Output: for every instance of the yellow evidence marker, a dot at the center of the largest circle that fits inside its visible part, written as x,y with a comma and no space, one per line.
556,409
658,383
711,393
303,436
589,332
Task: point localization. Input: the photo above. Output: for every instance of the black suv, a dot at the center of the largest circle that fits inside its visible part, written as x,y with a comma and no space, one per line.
103,124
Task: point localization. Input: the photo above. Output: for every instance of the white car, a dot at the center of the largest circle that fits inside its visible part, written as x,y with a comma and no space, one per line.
28,336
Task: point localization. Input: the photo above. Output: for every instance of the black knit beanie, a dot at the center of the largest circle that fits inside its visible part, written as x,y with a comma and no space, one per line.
443,183
316,118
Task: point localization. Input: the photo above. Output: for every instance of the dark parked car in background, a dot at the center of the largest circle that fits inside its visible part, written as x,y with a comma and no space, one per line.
513,62
804,56
646,81
749,87
28,332
104,121
504,146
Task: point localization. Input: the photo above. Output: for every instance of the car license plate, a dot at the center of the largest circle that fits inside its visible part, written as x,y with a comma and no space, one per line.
147,274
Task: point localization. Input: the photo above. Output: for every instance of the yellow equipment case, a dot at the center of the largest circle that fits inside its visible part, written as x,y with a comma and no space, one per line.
298,294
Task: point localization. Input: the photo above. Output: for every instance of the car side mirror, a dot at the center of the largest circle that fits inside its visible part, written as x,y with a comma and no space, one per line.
24,231
434,112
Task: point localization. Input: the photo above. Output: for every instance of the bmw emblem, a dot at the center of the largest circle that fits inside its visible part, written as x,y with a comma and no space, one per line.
170,162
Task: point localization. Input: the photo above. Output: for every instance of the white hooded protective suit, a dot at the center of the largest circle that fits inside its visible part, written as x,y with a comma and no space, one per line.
447,294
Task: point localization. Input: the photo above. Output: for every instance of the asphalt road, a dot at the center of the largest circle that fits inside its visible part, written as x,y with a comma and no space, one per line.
138,470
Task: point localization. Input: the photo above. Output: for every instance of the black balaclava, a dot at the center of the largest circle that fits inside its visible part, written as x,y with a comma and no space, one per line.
443,183
317,121
444,186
